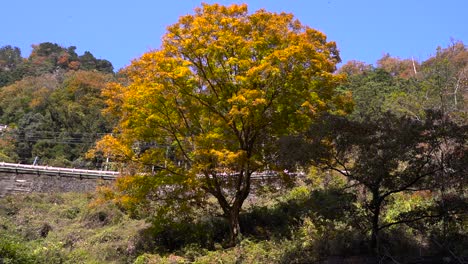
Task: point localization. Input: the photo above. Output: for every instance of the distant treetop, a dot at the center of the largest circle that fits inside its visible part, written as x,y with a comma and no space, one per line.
46,57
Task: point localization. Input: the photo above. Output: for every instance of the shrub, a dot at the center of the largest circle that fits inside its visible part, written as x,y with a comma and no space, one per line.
170,236
13,250
106,214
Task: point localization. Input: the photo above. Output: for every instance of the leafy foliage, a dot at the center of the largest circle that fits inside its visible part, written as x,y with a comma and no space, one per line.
11,65
52,104
208,106
228,91
409,88
46,58
49,57
54,117
387,156
62,228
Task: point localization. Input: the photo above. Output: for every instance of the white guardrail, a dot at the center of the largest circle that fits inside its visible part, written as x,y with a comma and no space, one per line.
106,175
57,171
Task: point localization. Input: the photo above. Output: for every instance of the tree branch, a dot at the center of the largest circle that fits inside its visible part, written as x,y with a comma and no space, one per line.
406,221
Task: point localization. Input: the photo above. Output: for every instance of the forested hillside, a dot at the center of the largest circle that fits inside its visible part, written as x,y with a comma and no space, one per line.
52,105
363,163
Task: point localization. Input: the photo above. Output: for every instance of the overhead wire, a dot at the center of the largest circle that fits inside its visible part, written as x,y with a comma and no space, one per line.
62,137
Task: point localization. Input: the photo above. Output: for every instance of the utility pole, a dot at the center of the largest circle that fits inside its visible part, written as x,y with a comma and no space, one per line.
414,66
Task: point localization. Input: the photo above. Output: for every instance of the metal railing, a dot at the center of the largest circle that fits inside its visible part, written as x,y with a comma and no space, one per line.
57,171
103,174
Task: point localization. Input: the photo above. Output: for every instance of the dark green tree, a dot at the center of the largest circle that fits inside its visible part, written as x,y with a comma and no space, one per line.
386,156
10,57
89,62
371,88
11,65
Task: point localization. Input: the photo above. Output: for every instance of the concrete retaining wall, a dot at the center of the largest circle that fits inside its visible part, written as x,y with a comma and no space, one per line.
18,183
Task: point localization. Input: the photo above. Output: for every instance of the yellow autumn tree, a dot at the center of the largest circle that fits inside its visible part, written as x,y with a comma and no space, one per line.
207,107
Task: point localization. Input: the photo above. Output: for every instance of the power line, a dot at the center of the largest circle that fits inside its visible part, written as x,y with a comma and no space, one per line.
62,137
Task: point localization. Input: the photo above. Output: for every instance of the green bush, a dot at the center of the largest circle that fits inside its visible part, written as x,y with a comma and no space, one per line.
72,212
13,250
156,259
107,214
170,236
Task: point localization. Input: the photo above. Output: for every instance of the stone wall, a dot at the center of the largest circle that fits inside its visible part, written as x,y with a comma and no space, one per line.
17,183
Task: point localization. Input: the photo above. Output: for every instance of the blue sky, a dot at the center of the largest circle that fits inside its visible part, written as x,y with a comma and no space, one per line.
122,30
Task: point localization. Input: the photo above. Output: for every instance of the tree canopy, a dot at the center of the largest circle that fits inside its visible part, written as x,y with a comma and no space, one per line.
46,58
387,156
52,104
408,88
210,104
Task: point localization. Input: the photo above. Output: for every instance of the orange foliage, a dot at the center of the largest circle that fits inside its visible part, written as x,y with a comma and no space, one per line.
404,68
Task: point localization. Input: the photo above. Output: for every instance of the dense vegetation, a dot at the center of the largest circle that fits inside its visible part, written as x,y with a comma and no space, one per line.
370,161
52,105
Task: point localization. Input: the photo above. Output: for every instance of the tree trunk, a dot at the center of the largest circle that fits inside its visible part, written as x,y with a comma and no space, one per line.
376,203
231,211
375,232
234,228
231,214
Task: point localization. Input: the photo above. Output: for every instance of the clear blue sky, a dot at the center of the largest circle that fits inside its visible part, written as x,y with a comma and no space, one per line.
122,30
